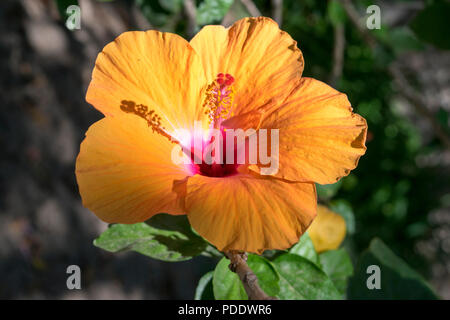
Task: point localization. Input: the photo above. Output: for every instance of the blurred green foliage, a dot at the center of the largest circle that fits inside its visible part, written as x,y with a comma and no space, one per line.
212,11
62,6
434,18
397,280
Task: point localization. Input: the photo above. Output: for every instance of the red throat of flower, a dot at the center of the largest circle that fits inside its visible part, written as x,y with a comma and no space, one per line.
199,165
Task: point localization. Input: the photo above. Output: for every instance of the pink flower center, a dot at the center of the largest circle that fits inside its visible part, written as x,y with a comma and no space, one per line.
212,168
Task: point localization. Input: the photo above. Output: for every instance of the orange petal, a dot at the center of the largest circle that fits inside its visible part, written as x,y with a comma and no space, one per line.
328,230
264,60
155,69
320,139
125,173
244,121
249,212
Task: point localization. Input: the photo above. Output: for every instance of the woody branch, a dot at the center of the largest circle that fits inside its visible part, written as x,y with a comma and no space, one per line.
238,264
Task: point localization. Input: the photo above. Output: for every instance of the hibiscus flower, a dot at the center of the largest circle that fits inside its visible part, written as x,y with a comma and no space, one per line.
151,84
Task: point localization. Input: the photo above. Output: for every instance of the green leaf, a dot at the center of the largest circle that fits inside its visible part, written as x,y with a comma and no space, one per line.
335,12
338,266
432,24
268,277
301,279
163,237
204,289
305,249
344,208
327,191
398,280
210,11
227,286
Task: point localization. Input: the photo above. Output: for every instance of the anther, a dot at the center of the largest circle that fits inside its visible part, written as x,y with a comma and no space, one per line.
219,98
153,120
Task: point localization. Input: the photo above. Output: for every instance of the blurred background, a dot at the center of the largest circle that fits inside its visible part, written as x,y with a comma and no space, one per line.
397,77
